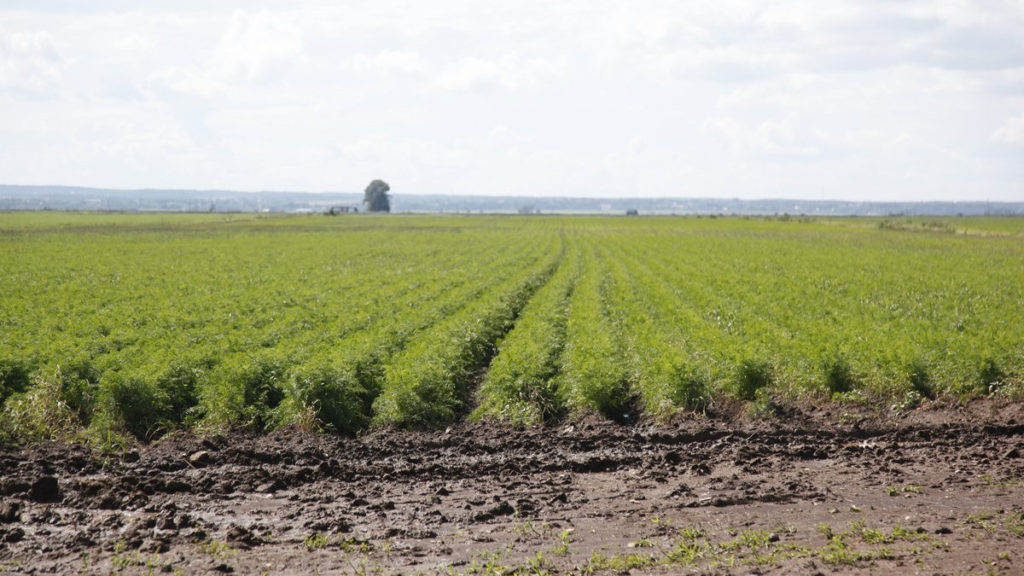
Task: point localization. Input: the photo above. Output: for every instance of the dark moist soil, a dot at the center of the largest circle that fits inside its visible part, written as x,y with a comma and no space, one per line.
822,490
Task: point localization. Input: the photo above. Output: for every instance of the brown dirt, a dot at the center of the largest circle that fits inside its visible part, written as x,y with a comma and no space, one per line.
938,490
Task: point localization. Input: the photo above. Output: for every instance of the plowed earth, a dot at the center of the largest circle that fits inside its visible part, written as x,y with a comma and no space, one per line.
938,490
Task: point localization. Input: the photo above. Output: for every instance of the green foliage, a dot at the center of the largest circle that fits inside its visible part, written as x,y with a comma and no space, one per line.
991,376
14,377
910,225
519,385
334,397
140,324
178,386
59,404
376,197
839,377
593,376
428,382
315,541
751,377
244,395
133,404
920,379
691,389
42,411
78,385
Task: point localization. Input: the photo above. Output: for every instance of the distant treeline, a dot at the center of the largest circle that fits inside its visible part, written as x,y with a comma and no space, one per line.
99,199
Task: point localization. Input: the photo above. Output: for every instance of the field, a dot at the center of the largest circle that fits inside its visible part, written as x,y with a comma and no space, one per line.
186,364
138,325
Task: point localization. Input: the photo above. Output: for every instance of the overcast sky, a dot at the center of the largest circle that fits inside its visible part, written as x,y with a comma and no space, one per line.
859,100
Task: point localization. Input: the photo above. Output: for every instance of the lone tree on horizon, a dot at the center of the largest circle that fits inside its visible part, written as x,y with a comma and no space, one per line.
376,198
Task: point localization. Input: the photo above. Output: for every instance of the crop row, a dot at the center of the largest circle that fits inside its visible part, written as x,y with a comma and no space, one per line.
142,324
240,328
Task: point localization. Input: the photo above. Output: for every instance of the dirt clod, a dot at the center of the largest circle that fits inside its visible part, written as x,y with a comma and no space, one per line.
45,489
199,458
10,512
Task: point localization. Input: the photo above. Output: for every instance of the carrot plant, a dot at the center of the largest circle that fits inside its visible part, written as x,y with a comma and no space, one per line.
519,385
138,324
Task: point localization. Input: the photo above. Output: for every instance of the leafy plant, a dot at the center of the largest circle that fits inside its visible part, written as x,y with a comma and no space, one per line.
14,377
920,379
991,376
133,404
839,377
337,324
244,395
751,376
334,397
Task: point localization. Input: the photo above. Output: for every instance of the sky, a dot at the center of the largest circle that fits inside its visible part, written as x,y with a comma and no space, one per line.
853,100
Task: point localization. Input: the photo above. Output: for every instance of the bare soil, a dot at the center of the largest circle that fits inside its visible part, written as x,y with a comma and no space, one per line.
820,490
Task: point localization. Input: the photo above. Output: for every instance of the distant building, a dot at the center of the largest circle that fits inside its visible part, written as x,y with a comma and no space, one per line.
335,210
632,212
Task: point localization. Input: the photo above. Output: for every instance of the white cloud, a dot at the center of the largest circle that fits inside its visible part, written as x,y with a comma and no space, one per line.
253,48
256,45
1012,131
382,151
189,81
775,137
731,98
509,72
387,62
29,61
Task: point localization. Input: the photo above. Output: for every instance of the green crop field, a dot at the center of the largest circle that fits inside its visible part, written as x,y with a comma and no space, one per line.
115,325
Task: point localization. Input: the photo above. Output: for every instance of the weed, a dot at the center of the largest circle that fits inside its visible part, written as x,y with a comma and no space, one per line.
690,534
989,481
564,540
217,549
837,552
45,410
905,489
526,529
870,535
692,390
315,541
618,563
490,563
353,544
911,399
1014,522
982,520
122,560
661,523
538,563
362,567
899,532
133,404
